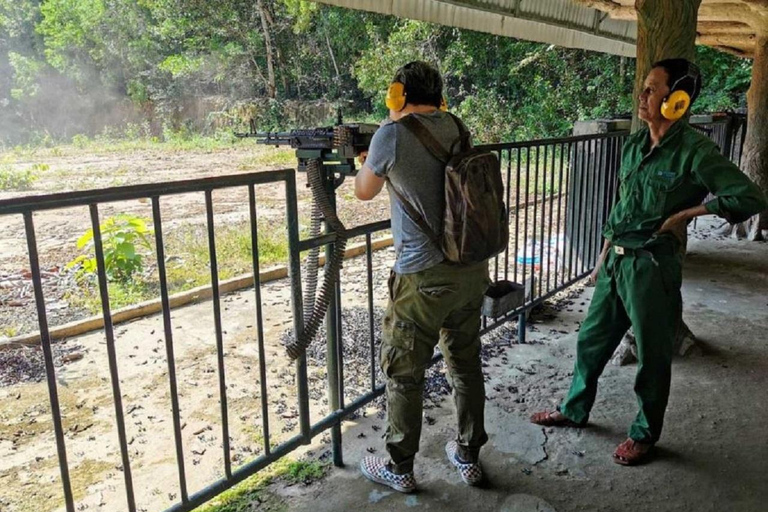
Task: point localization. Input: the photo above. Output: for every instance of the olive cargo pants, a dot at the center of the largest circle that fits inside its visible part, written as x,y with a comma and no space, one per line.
643,292
438,305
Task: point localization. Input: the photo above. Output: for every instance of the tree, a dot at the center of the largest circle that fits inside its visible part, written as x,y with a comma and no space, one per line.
664,30
755,160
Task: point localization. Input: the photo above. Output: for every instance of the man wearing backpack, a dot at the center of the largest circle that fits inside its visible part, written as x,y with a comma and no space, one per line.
432,300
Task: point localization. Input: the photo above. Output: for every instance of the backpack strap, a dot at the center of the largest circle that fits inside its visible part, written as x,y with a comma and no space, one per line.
464,139
422,133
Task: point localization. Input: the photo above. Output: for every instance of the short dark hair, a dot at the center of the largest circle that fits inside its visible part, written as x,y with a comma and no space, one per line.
684,73
423,83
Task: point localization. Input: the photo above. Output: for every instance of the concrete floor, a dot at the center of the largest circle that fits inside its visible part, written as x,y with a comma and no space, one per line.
713,455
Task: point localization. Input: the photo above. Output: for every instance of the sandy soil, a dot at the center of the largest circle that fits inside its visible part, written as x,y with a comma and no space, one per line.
57,231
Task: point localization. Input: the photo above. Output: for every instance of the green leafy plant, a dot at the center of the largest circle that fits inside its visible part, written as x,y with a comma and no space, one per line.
123,236
17,179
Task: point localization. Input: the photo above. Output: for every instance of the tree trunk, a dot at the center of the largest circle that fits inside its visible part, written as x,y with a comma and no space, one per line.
271,87
755,160
664,30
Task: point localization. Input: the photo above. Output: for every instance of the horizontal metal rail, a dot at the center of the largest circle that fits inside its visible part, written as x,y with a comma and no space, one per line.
110,195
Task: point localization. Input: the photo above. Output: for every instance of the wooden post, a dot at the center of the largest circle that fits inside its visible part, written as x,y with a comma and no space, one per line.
755,160
664,30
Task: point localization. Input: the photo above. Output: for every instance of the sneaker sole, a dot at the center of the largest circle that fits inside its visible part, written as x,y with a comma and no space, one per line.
375,479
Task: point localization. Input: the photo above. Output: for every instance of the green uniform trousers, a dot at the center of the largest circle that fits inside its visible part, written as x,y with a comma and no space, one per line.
438,305
642,291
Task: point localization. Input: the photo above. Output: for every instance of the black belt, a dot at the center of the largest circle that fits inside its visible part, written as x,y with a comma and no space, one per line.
659,250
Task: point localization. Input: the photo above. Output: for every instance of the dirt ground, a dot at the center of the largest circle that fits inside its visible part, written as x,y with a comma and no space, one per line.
57,231
712,456
28,469
75,171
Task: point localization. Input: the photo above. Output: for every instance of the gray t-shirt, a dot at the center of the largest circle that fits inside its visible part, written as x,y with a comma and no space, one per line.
418,176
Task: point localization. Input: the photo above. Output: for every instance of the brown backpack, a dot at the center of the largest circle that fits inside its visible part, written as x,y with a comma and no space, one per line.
475,225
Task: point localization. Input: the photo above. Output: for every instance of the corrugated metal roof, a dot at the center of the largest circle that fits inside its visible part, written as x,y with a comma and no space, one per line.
559,22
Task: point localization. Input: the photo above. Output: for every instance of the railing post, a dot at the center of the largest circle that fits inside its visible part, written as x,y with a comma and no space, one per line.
294,272
332,330
50,372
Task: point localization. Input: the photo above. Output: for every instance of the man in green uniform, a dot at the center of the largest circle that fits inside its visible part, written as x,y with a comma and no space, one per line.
667,170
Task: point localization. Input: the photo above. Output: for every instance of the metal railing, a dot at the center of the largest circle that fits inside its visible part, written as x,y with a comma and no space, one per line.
27,206
558,192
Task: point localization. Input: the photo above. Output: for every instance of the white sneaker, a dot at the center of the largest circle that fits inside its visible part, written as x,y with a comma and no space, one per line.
470,472
376,470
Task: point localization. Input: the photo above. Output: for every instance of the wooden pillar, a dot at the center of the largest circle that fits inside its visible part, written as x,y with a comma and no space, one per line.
665,30
755,160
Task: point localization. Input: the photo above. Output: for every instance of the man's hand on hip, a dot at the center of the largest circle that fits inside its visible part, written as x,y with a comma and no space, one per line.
677,224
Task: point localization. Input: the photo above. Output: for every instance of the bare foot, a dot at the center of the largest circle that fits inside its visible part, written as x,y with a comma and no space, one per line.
552,419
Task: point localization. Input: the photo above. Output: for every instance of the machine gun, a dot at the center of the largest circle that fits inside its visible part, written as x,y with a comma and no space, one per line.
335,146
327,155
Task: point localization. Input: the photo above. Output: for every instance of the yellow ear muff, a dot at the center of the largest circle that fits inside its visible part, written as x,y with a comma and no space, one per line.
396,97
444,105
676,105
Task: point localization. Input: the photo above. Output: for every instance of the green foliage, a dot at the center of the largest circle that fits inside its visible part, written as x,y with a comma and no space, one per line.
253,490
26,72
166,56
19,179
726,81
123,237
301,11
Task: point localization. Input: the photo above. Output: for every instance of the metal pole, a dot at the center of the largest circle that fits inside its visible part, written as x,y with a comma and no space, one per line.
292,217
50,372
521,328
331,328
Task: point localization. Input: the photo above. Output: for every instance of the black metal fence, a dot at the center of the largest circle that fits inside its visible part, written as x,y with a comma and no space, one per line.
559,193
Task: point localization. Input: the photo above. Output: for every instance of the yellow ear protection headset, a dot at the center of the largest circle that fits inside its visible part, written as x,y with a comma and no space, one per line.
396,98
676,104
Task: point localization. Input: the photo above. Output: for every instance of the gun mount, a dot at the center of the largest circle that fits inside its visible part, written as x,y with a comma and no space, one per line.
327,155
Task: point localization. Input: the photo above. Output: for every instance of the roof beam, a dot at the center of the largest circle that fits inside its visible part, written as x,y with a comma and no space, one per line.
569,25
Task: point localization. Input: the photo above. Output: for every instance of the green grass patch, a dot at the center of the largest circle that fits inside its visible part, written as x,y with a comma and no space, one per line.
188,263
188,246
253,490
19,179
128,138
283,157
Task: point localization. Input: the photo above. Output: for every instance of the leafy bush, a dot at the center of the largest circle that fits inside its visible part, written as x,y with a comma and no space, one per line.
121,236
17,179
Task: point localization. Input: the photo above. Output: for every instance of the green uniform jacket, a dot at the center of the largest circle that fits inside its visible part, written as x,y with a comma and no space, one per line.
675,175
